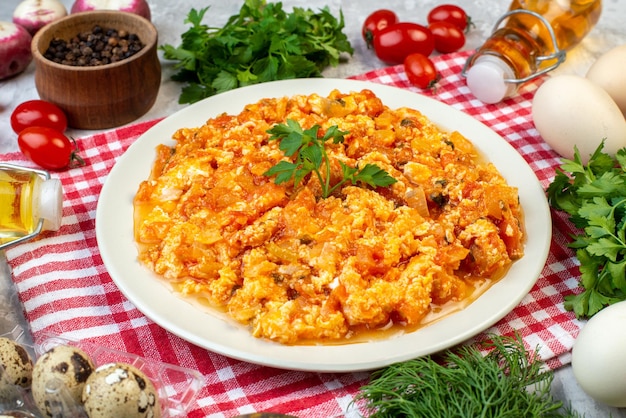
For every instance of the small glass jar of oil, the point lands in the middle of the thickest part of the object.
(531, 39)
(30, 202)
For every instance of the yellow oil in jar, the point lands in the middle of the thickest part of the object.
(533, 40)
(571, 21)
(17, 217)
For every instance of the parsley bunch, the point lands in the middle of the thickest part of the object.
(507, 382)
(594, 195)
(309, 154)
(260, 43)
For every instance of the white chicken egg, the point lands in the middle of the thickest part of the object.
(598, 356)
(608, 73)
(570, 110)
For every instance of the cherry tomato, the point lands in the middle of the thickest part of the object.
(395, 42)
(421, 71)
(448, 38)
(38, 113)
(376, 21)
(451, 14)
(47, 147)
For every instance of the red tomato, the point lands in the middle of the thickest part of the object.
(448, 38)
(395, 42)
(47, 147)
(377, 21)
(38, 113)
(451, 14)
(420, 71)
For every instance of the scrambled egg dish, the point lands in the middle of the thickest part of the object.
(299, 268)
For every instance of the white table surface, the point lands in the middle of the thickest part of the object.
(168, 16)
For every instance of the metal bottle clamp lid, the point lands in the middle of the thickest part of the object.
(558, 54)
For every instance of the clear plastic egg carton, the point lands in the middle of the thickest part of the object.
(177, 387)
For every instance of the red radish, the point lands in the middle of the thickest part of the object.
(35, 14)
(139, 7)
(15, 54)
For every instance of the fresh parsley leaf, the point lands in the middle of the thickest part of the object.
(594, 195)
(374, 176)
(617, 272)
(261, 43)
(310, 157)
(187, 58)
(284, 171)
(609, 183)
(194, 92)
(620, 156)
(224, 81)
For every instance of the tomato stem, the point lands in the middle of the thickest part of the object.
(470, 24)
(75, 159)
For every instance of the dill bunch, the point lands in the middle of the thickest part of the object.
(506, 382)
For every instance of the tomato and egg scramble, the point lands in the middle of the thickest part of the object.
(296, 267)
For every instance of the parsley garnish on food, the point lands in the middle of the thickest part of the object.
(260, 43)
(594, 195)
(309, 156)
(506, 382)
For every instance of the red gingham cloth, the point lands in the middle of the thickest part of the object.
(66, 290)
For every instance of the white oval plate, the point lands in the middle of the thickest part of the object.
(114, 231)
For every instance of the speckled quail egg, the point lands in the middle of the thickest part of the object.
(69, 365)
(120, 390)
(16, 366)
(16, 414)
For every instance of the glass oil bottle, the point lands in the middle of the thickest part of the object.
(531, 39)
(30, 202)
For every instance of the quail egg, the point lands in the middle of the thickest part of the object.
(120, 390)
(16, 366)
(70, 366)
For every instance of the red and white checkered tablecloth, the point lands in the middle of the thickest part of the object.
(66, 290)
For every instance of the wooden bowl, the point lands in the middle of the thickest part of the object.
(101, 96)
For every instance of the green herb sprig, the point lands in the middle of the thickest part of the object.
(308, 153)
(506, 382)
(260, 43)
(594, 195)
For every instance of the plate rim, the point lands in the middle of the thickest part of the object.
(316, 358)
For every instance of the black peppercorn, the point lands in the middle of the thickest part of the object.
(99, 47)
